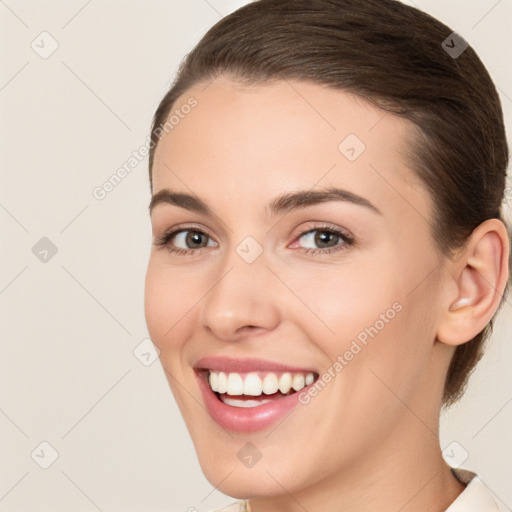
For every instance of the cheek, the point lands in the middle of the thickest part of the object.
(372, 320)
(165, 306)
(348, 300)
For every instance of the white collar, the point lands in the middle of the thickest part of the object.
(475, 497)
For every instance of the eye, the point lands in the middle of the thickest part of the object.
(325, 239)
(189, 239)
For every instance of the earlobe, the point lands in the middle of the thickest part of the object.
(480, 277)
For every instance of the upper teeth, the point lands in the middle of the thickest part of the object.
(252, 384)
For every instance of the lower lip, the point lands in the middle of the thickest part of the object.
(245, 419)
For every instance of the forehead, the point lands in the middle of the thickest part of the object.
(282, 134)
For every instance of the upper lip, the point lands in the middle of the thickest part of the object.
(245, 365)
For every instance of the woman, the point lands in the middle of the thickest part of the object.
(329, 252)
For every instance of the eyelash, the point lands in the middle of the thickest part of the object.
(347, 240)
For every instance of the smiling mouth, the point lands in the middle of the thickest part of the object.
(253, 389)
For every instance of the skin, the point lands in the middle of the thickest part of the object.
(369, 441)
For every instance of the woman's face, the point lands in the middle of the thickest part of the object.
(276, 280)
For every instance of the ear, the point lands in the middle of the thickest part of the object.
(478, 280)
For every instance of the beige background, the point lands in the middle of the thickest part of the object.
(70, 324)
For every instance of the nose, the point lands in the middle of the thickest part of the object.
(239, 302)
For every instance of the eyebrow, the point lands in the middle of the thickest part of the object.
(281, 204)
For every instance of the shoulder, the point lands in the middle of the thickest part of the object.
(239, 506)
(476, 497)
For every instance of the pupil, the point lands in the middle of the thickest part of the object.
(321, 238)
(195, 238)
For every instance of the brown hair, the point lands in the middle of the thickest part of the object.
(392, 55)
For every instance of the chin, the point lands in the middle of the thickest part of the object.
(243, 483)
